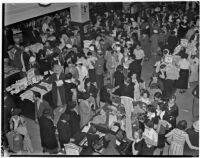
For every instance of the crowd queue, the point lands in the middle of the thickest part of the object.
(111, 64)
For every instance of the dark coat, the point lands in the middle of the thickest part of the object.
(64, 132)
(75, 122)
(61, 89)
(171, 115)
(134, 67)
(47, 133)
(43, 105)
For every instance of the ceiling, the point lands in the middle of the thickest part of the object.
(16, 12)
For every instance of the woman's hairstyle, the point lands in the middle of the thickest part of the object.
(182, 125)
(158, 95)
(140, 132)
(127, 79)
(145, 91)
(119, 68)
(138, 44)
(68, 76)
(162, 106)
(149, 123)
(172, 97)
(151, 108)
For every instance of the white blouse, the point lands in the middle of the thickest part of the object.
(184, 64)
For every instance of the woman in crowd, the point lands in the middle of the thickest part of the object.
(74, 118)
(155, 85)
(177, 138)
(193, 133)
(71, 68)
(145, 44)
(138, 143)
(127, 96)
(70, 88)
(194, 68)
(145, 97)
(151, 138)
(118, 79)
(184, 66)
(85, 109)
(154, 43)
(172, 111)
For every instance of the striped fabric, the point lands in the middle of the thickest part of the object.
(178, 141)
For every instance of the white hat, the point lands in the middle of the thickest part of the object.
(155, 31)
(79, 61)
(196, 125)
(117, 43)
(91, 48)
(129, 42)
(32, 59)
(69, 46)
(132, 19)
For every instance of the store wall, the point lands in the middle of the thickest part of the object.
(22, 11)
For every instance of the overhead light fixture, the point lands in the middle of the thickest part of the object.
(44, 4)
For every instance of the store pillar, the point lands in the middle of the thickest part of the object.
(80, 17)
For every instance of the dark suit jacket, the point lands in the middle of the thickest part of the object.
(61, 89)
(171, 115)
(43, 105)
(47, 133)
(75, 122)
(64, 132)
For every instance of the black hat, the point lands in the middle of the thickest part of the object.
(71, 104)
(47, 112)
(65, 117)
(85, 96)
(16, 111)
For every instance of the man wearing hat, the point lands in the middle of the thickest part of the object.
(64, 129)
(57, 80)
(154, 42)
(74, 117)
(47, 132)
(99, 69)
(172, 42)
(17, 60)
(83, 74)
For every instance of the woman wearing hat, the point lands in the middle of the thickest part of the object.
(154, 43)
(47, 132)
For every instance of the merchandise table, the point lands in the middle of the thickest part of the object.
(27, 106)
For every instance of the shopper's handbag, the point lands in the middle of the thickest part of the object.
(15, 141)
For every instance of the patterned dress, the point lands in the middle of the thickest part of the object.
(178, 141)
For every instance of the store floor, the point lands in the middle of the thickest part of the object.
(184, 102)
